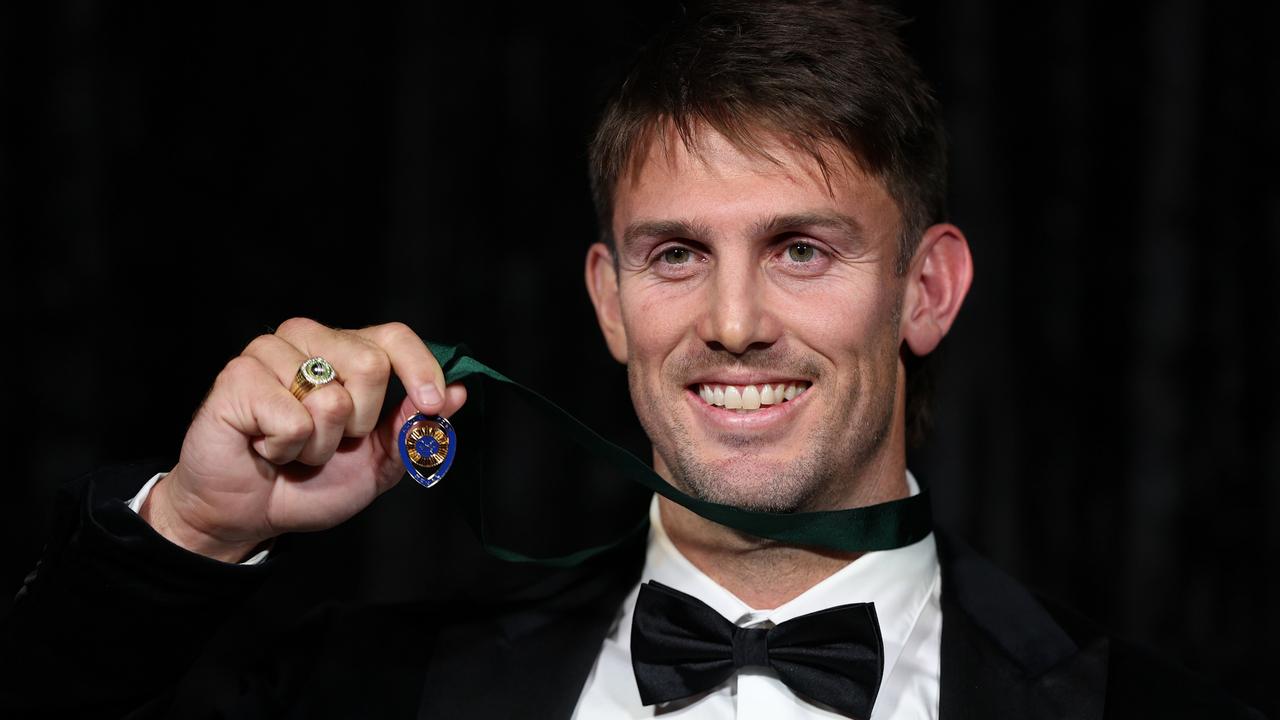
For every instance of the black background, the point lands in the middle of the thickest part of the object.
(178, 178)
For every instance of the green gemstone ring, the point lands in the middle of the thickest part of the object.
(313, 373)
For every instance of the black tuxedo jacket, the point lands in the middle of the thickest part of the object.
(116, 622)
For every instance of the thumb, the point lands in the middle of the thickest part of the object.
(389, 428)
(390, 466)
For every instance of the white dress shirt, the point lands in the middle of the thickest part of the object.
(904, 584)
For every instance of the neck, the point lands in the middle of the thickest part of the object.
(765, 573)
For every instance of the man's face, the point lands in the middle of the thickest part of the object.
(759, 320)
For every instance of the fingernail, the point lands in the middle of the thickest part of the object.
(428, 395)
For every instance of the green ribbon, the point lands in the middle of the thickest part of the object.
(883, 526)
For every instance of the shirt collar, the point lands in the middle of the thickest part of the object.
(898, 581)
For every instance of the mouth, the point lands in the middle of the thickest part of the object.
(749, 398)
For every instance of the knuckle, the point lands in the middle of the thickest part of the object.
(237, 371)
(330, 407)
(259, 344)
(295, 426)
(396, 329)
(370, 362)
(296, 326)
(396, 334)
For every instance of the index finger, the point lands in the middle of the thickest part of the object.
(412, 362)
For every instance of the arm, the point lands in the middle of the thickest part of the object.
(121, 603)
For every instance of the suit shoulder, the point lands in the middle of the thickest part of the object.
(1143, 684)
(1040, 639)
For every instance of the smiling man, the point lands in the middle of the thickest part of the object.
(758, 297)
(761, 319)
(759, 310)
(775, 257)
(770, 188)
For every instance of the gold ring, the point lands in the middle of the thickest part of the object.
(312, 374)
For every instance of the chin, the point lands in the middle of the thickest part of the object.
(751, 483)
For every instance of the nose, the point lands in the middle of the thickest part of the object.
(738, 315)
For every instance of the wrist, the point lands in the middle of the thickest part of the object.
(160, 513)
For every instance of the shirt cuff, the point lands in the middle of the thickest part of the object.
(136, 506)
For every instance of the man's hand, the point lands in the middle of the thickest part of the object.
(257, 463)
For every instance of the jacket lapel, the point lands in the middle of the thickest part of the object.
(531, 656)
(1004, 655)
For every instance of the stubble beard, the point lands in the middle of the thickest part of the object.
(816, 480)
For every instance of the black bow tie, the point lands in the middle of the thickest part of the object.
(681, 647)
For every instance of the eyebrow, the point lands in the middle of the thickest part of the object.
(848, 227)
(663, 228)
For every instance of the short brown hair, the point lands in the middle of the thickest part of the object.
(815, 72)
(819, 73)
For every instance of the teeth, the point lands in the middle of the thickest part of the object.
(749, 397)
(732, 398)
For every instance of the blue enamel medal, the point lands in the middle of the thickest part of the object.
(427, 446)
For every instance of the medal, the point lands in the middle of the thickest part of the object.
(427, 446)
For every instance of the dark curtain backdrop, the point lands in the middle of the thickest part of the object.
(176, 178)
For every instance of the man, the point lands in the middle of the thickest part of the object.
(770, 181)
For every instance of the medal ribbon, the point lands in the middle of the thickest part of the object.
(883, 526)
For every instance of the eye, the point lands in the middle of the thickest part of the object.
(801, 253)
(676, 255)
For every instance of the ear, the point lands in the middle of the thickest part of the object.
(602, 286)
(937, 282)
